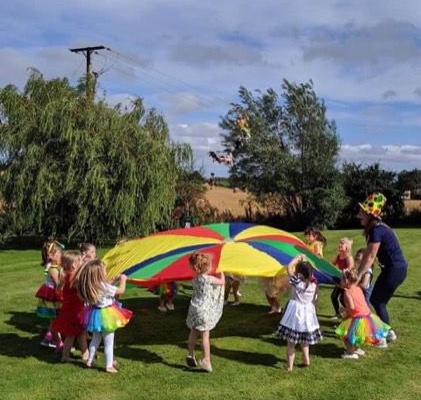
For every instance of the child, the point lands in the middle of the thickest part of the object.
(315, 241)
(344, 261)
(205, 308)
(88, 251)
(273, 287)
(166, 293)
(103, 315)
(49, 297)
(365, 281)
(232, 282)
(299, 323)
(359, 326)
(68, 322)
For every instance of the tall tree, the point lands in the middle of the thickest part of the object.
(81, 168)
(292, 151)
(359, 181)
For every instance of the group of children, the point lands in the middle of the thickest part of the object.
(358, 326)
(76, 298)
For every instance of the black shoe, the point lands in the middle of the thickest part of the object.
(191, 361)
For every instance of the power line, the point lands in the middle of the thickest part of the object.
(87, 52)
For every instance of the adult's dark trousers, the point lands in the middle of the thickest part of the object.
(387, 282)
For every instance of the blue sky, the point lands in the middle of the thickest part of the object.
(187, 59)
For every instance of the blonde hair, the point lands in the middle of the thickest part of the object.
(67, 261)
(348, 243)
(200, 262)
(89, 280)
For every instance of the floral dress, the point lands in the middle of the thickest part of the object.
(206, 304)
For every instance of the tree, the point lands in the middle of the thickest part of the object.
(410, 180)
(359, 182)
(292, 152)
(84, 169)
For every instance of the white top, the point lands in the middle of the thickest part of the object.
(106, 297)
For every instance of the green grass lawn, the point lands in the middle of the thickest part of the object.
(247, 359)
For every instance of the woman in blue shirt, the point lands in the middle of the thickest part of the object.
(383, 244)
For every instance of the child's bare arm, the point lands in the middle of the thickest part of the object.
(293, 262)
(55, 275)
(122, 285)
(218, 279)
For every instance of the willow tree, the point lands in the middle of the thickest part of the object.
(291, 152)
(77, 168)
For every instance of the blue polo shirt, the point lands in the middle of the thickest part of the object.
(390, 253)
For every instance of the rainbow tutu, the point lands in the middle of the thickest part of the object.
(362, 330)
(49, 302)
(48, 309)
(106, 319)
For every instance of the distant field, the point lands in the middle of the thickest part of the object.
(227, 199)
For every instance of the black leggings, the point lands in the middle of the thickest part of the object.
(337, 298)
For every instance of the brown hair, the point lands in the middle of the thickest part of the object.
(317, 234)
(84, 247)
(350, 276)
(50, 246)
(67, 261)
(200, 262)
(89, 279)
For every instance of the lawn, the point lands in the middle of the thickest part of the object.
(247, 359)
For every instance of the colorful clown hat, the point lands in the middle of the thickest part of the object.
(373, 204)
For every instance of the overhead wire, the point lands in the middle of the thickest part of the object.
(165, 82)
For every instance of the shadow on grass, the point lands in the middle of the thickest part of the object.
(149, 326)
(246, 357)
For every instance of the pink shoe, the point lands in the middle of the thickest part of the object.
(59, 347)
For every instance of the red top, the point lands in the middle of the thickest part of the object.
(68, 321)
(341, 263)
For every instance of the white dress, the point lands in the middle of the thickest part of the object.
(299, 323)
(206, 304)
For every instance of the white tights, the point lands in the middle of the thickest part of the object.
(108, 347)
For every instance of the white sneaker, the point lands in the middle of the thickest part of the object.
(391, 336)
(162, 308)
(382, 344)
(353, 356)
(236, 303)
(359, 352)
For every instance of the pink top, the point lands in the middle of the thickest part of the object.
(361, 307)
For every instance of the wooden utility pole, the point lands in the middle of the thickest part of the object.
(87, 51)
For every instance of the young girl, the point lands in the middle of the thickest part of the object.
(88, 251)
(103, 315)
(68, 322)
(315, 241)
(299, 323)
(273, 287)
(49, 298)
(166, 293)
(365, 281)
(344, 261)
(232, 283)
(359, 326)
(205, 308)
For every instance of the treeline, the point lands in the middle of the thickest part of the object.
(82, 169)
